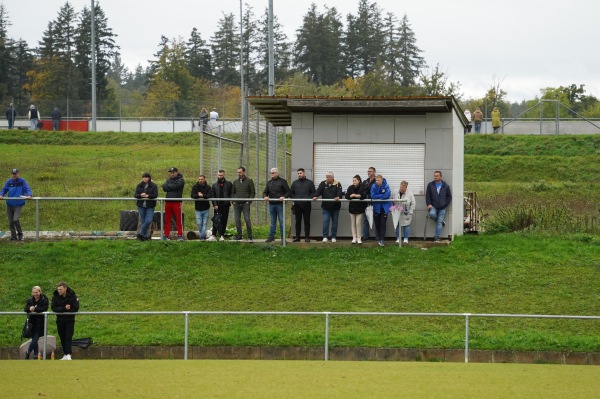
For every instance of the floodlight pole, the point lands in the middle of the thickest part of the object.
(93, 68)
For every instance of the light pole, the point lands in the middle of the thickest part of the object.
(93, 68)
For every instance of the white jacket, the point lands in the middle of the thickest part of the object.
(410, 204)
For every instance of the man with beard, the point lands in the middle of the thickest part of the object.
(65, 300)
(173, 186)
(221, 189)
(302, 188)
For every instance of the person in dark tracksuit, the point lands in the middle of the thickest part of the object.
(65, 300)
(303, 188)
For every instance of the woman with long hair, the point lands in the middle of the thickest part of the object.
(37, 303)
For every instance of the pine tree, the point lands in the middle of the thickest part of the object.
(410, 61)
(226, 52)
(282, 56)
(5, 56)
(364, 39)
(249, 48)
(198, 56)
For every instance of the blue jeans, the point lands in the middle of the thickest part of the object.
(437, 215)
(33, 124)
(202, 221)
(327, 217)
(276, 211)
(405, 231)
(55, 124)
(477, 126)
(146, 215)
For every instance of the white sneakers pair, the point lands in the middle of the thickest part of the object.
(405, 241)
(66, 357)
(326, 240)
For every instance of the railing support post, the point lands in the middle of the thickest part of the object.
(162, 219)
(283, 225)
(185, 348)
(45, 334)
(326, 336)
(37, 219)
(467, 337)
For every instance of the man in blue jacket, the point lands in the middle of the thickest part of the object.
(380, 191)
(438, 196)
(15, 187)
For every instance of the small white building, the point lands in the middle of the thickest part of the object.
(404, 138)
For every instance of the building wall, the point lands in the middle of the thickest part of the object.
(442, 134)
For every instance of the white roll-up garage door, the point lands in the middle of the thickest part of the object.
(395, 162)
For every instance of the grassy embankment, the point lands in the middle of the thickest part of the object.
(504, 273)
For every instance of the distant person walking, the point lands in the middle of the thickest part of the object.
(34, 117)
(145, 192)
(496, 120)
(203, 117)
(11, 115)
(477, 119)
(65, 300)
(15, 187)
(56, 116)
(173, 187)
(37, 303)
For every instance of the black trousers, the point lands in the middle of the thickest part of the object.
(66, 328)
(302, 212)
(380, 225)
(224, 212)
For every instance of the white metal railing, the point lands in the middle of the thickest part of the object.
(186, 314)
(162, 200)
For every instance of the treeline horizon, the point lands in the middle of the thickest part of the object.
(372, 53)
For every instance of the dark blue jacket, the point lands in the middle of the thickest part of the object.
(16, 188)
(441, 200)
(151, 190)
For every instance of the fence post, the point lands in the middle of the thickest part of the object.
(283, 224)
(162, 219)
(45, 334)
(37, 219)
(467, 337)
(327, 336)
(185, 348)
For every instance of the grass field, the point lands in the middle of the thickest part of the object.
(294, 379)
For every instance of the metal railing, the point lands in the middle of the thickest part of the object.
(163, 200)
(327, 315)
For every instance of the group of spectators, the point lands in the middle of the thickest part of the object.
(223, 194)
(34, 117)
(64, 301)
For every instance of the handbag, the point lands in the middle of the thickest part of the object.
(27, 329)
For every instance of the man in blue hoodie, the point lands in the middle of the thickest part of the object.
(380, 191)
(15, 187)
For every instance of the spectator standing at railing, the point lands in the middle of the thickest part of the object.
(221, 189)
(203, 117)
(477, 119)
(37, 303)
(276, 190)
(367, 184)
(356, 208)
(15, 187)
(56, 116)
(173, 188)
(496, 120)
(242, 187)
(65, 300)
(201, 190)
(214, 115)
(409, 208)
(34, 117)
(303, 188)
(329, 189)
(11, 115)
(380, 191)
(146, 191)
(438, 196)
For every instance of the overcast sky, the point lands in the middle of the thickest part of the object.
(526, 44)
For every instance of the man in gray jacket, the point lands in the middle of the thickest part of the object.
(243, 187)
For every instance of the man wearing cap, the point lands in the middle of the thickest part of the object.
(34, 117)
(15, 187)
(11, 115)
(173, 186)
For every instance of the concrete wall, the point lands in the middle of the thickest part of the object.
(442, 134)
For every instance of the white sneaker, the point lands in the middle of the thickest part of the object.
(324, 239)
(211, 238)
(66, 357)
(397, 241)
(354, 241)
(359, 241)
(69, 357)
(333, 240)
(222, 238)
(405, 241)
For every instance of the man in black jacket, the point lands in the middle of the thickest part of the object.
(329, 189)
(275, 192)
(221, 189)
(438, 197)
(11, 115)
(173, 186)
(201, 190)
(65, 300)
(302, 188)
(146, 191)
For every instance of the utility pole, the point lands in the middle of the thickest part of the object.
(93, 68)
